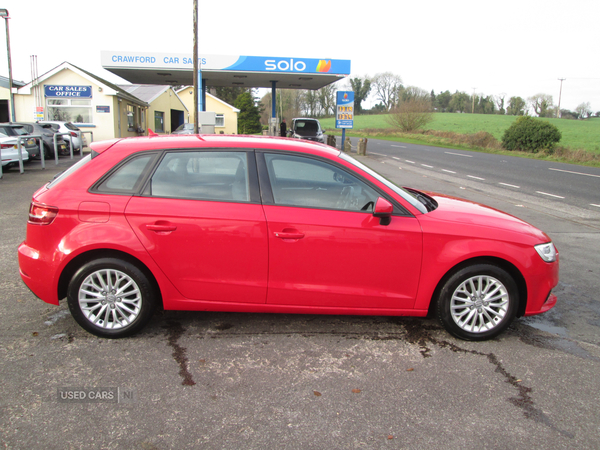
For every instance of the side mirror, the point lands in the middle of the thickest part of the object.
(383, 210)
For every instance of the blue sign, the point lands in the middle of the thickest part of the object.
(55, 91)
(295, 65)
(227, 62)
(102, 109)
(344, 114)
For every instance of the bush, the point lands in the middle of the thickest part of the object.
(530, 135)
(411, 115)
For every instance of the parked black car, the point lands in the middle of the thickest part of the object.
(47, 133)
(15, 130)
(310, 129)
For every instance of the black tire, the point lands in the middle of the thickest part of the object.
(48, 153)
(478, 302)
(111, 298)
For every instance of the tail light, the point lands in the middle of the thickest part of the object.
(8, 146)
(73, 134)
(40, 214)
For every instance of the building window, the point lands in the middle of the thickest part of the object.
(159, 121)
(130, 118)
(69, 110)
(219, 120)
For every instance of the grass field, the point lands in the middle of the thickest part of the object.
(576, 134)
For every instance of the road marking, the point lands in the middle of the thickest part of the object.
(395, 157)
(425, 165)
(476, 178)
(412, 162)
(549, 195)
(458, 154)
(446, 170)
(597, 206)
(576, 173)
(398, 146)
(510, 185)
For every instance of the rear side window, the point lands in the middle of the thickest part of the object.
(127, 177)
(219, 176)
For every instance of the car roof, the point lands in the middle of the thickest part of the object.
(212, 141)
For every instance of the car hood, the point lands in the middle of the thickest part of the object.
(456, 210)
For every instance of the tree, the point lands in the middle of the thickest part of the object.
(327, 98)
(443, 101)
(516, 106)
(361, 88)
(249, 115)
(229, 94)
(460, 102)
(541, 104)
(412, 114)
(500, 103)
(584, 110)
(387, 88)
(416, 93)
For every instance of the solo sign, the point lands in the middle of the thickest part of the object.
(54, 91)
(344, 113)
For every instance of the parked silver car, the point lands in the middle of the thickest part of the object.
(75, 135)
(9, 151)
(12, 130)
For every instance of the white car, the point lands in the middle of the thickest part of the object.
(75, 135)
(9, 152)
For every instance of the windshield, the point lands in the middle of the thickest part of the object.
(406, 195)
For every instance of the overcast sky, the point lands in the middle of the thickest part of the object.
(512, 47)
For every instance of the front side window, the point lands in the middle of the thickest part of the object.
(308, 182)
(219, 176)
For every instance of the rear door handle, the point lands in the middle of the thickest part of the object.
(289, 234)
(161, 227)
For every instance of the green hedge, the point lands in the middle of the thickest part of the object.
(530, 135)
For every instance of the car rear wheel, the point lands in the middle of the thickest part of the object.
(48, 153)
(111, 298)
(478, 302)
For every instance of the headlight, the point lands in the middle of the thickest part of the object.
(547, 251)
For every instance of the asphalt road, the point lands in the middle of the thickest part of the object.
(564, 183)
(257, 381)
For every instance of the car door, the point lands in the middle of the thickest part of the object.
(201, 220)
(326, 248)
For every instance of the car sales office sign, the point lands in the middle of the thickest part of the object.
(344, 116)
(56, 91)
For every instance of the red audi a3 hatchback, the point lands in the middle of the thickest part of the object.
(254, 224)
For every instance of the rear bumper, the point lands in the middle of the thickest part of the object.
(34, 273)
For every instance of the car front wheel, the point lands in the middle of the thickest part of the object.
(111, 298)
(478, 302)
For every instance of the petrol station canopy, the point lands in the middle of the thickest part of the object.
(226, 71)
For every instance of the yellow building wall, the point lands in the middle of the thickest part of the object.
(167, 101)
(212, 104)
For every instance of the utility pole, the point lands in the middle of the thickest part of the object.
(558, 114)
(196, 81)
(4, 14)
